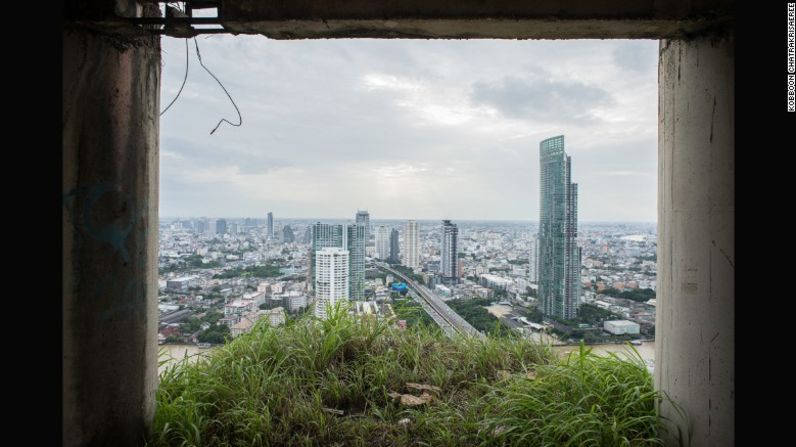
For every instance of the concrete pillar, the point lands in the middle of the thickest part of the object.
(110, 197)
(695, 328)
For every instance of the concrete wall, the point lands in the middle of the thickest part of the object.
(111, 91)
(503, 19)
(694, 355)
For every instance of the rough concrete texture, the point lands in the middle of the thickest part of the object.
(111, 91)
(473, 28)
(695, 326)
(506, 19)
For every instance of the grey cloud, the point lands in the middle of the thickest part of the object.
(539, 97)
(635, 55)
(306, 108)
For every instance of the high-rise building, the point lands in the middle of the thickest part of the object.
(411, 246)
(308, 235)
(323, 236)
(355, 240)
(199, 226)
(269, 226)
(331, 279)
(287, 234)
(559, 255)
(382, 242)
(221, 226)
(349, 237)
(449, 252)
(363, 218)
(210, 227)
(395, 255)
(233, 228)
(533, 259)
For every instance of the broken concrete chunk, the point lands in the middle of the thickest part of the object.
(503, 374)
(418, 386)
(412, 401)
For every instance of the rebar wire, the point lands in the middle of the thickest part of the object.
(183, 80)
(240, 118)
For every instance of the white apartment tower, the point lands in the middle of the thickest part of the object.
(382, 242)
(411, 248)
(331, 278)
(533, 259)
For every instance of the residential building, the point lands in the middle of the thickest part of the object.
(533, 259)
(287, 234)
(323, 236)
(331, 278)
(411, 245)
(221, 226)
(382, 242)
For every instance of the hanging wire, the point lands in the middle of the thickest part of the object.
(240, 118)
(183, 80)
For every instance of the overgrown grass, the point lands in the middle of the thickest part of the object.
(287, 385)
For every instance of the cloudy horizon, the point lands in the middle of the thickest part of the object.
(408, 129)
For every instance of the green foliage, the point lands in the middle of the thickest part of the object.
(373, 274)
(216, 334)
(257, 271)
(582, 400)
(190, 326)
(591, 314)
(275, 386)
(521, 261)
(188, 263)
(480, 318)
(173, 339)
(411, 311)
(409, 273)
(212, 317)
(639, 295)
(532, 314)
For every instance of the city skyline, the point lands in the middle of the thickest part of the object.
(375, 124)
(398, 220)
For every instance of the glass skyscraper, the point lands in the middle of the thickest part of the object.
(355, 241)
(559, 256)
(363, 218)
(449, 253)
(395, 256)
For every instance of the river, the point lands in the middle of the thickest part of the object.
(646, 350)
(173, 353)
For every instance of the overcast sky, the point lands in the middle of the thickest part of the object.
(424, 129)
